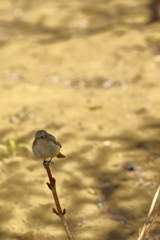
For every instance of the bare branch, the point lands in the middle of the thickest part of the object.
(59, 212)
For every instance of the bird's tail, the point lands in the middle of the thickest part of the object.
(60, 155)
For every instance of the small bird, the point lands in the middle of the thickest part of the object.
(46, 145)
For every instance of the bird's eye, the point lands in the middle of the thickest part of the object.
(42, 137)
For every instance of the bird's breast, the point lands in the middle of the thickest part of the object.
(45, 149)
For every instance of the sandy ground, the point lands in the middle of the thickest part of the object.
(88, 72)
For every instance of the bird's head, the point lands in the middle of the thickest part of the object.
(41, 134)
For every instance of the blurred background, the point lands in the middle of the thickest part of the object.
(87, 72)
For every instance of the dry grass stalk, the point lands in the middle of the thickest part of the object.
(145, 232)
(59, 212)
(151, 224)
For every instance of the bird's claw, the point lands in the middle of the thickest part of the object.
(50, 161)
(47, 163)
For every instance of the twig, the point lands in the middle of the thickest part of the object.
(59, 212)
(144, 232)
(151, 224)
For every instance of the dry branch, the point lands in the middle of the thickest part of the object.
(58, 211)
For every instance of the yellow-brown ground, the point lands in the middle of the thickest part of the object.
(88, 72)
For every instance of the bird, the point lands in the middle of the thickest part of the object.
(46, 145)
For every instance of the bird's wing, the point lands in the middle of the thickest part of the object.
(53, 139)
(57, 143)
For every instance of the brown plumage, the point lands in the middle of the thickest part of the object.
(46, 145)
